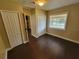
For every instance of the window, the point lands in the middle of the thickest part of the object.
(58, 21)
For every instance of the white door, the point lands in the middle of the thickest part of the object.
(12, 26)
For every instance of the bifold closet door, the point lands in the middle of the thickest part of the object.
(12, 26)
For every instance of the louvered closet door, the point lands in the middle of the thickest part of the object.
(12, 26)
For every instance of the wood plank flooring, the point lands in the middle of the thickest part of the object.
(45, 47)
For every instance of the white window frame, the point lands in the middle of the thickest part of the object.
(59, 15)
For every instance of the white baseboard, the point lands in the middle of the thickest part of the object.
(6, 55)
(26, 41)
(64, 38)
(34, 36)
(41, 34)
(6, 52)
(37, 36)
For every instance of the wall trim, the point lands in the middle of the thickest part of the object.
(37, 36)
(68, 39)
(34, 36)
(6, 52)
(6, 55)
(26, 41)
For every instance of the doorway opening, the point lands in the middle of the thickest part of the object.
(28, 24)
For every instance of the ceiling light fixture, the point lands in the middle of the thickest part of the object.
(40, 2)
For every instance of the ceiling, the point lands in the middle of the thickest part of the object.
(52, 4)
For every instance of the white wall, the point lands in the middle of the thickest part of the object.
(41, 23)
(38, 22)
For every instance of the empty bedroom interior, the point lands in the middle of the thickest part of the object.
(39, 29)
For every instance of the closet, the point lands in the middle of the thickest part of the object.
(12, 27)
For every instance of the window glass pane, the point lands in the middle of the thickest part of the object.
(58, 21)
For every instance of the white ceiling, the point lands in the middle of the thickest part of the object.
(52, 4)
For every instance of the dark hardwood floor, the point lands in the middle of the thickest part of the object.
(45, 47)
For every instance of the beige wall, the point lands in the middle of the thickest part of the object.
(11, 5)
(2, 56)
(6, 5)
(2, 47)
(72, 30)
(3, 33)
(3, 39)
(33, 22)
(27, 11)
